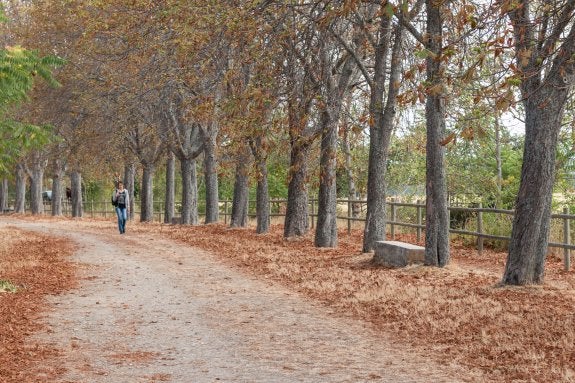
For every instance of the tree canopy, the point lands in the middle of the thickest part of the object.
(400, 97)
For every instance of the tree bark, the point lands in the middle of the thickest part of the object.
(36, 184)
(169, 207)
(56, 203)
(437, 216)
(262, 191)
(4, 195)
(240, 202)
(532, 220)
(296, 219)
(326, 229)
(129, 184)
(189, 192)
(147, 196)
(20, 203)
(380, 129)
(57, 189)
(301, 92)
(76, 187)
(211, 178)
(548, 76)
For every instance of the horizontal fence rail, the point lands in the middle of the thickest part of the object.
(464, 221)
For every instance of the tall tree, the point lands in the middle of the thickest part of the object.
(37, 163)
(187, 144)
(336, 76)
(3, 195)
(76, 189)
(240, 202)
(544, 43)
(169, 203)
(437, 216)
(58, 172)
(387, 48)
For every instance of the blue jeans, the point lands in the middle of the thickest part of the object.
(122, 214)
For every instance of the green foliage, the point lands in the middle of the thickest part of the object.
(359, 153)
(94, 191)
(494, 224)
(277, 176)
(18, 69)
(17, 138)
(7, 286)
(511, 161)
(471, 167)
(406, 165)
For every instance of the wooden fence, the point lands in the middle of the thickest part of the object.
(466, 221)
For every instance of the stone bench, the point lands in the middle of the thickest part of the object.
(397, 254)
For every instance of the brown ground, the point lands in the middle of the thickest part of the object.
(38, 266)
(457, 316)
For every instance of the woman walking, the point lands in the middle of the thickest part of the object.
(121, 199)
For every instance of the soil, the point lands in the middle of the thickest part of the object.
(212, 303)
(147, 308)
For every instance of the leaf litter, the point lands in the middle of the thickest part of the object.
(458, 315)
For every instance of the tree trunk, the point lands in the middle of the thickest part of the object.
(36, 184)
(262, 192)
(532, 220)
(437, 216)
(296, 219)
(56, 203)
(147, 196)
(20, 203)
(59, 172)
(129, 185)
(4, 195)
(381, 127)
(545, 60)
(76, 187)
(189, 192)
(211, 179)
(169, 207)
(194, 183)
(57, 190)
(326, 229)
(240, 202)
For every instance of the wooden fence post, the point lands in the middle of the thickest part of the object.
(566, 240)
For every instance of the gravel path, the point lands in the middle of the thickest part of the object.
(151, 310)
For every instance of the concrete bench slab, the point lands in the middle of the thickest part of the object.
(397, 254)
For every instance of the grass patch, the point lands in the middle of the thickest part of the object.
(7, 287)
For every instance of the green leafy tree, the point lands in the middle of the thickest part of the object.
(18, 70)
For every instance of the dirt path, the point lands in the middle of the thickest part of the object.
(151, 310)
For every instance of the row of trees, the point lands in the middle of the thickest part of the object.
(231, 83)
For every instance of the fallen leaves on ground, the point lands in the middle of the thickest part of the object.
(458, 315)
(37, 265)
